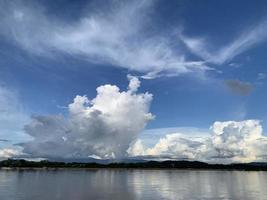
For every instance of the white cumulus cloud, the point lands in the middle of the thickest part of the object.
(239, 141)
(104, 126)
(229, 141)
(9, 153)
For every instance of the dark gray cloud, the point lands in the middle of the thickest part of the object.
(239, 87)
(4, 140)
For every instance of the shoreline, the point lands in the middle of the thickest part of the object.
(121, 168)
(149, 165)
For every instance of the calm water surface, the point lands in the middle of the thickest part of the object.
(132, 184)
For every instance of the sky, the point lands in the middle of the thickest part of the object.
(147, 79)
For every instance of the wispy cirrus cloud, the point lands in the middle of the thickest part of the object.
(117, 36)
(261, 76)
(12, 120)
(12, 116)
(247, 39)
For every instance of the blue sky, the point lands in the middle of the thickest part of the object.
(203, 61)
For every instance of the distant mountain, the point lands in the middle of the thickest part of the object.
(12, 163)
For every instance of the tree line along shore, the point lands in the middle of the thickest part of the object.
(21, 163)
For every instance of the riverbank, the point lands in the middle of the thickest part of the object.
(12, 164)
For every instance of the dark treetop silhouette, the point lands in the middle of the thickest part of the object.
(12, 163)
